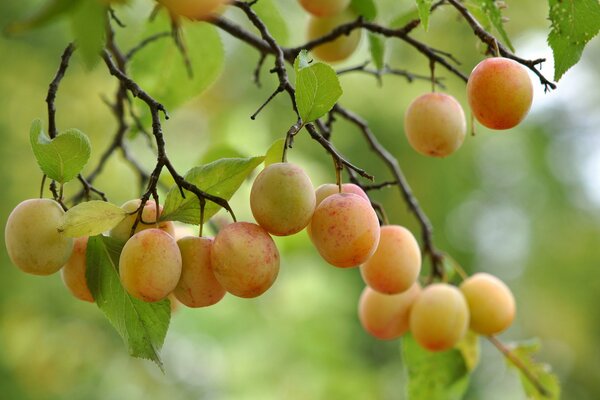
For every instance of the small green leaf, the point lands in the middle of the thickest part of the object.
(160, 67)
(470, 349)
(524, 351)
(221, 178)
(574, 24)
(366, 8)
(91, 218)
(492, 12)
(269, 13)
(143, 326)
(88, 23)
(302, 61)
(377, 47)
(424, 8)
(63, 157)
(434, 375)
(317, 89)
(50, 12)
(275, 152)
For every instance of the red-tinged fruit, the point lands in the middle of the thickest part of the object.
(245, 259)
(73, 273)
(345, 230)
(195, 9)
(386, 316)
(324, 8)
(500, 93)
(395, 265)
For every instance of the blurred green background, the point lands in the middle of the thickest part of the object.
(523, 205)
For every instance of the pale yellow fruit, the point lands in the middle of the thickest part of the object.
(150, 265)
(122, 231)
(491, 303)
(73, 273)
(32, 239)
(197, 286)
(324, 8)
(245, 259)
(395, 265)
(195, 9)
(282, 199)
(340, 48)
(386, 316)
(439, 318)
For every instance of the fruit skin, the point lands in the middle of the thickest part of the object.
(342, 47)
(491, 303)
(439, 317)
(395, 265)
(386, 316)
(150, 265)
(123, 229)
(245, 259)
(195, 9)
(435, 124)
(32, 239)
(73, 273)
(282, 199)
(324, 8)
(197, 286)
(500, 93)
(345, 230)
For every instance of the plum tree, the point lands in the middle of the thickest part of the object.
(491, 303)
(282, 199)
(197, 286)
(500, 93)
(439, 317)
(435, 124)
(32, 239)
(345, 230)
(338, 49)
(324, 8)
(150, 265)
(73, 273)
(395, 265)
(245, 259)
(386, 316)
(123, 230)
(194, 9)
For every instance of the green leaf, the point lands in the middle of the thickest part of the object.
(317, 89)
(524, 351)
(275, 152)
(143, 326)
(221, 178)
(424, 8)
(50, 12)
(377, 48)
(88, 23)
(91, 218)
(63, 157)
(492, 12)
(573, 25)
(366, 8)
(160, 68)
(269, 13)
(434, 375)
(470, 349)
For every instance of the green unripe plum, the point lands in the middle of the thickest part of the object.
(491, 303)
(439, 317)
(245, 259)
(386, 316)
(73, 273)
(122, 231)
(195, 9)
(395, 265)
(500, 93)
(345, 230)
(324, 8)
(32, 239)
(282, 199)
(435, 124)
(150, 265)
(340, 48)
(197, 286)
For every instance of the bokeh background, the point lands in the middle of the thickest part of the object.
(522, 204)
